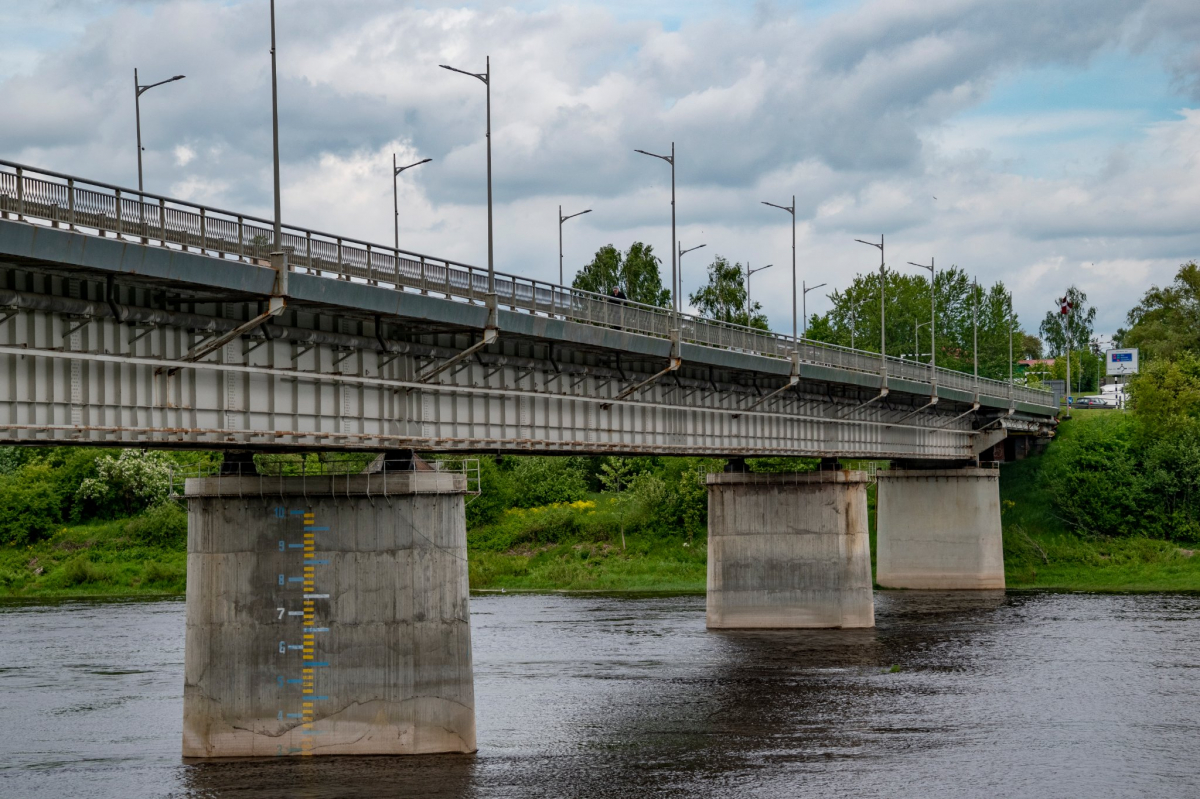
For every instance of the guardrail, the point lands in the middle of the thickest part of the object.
(81, 204)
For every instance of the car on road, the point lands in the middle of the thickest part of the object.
(1094, 402)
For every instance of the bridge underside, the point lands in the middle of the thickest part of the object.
(98, 347)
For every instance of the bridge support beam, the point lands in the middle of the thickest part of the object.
(789, 551)
(939, 529)
(327, 616)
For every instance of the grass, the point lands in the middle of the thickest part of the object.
(97, 559)
(1042, 552)
(579, 547)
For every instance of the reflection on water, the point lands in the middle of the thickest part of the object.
(1018, 695)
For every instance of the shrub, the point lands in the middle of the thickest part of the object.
(164, 525)
(539, 480)
(30, 508)
(157, 572)
(80, 570)
(127, 484)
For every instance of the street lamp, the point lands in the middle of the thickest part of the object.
(791, 209)
(486, 77)
(396, 170)
(882, 326)
(750, 273)
(805, 290)
(853, 320)
(275, 133)
(138, 91)
(562, 219)
(670, 159)
(683, 252)
(932, 320)
(917, 341)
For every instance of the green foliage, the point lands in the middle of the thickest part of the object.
(544, 480)
(854, 320)
(162, 525)
(495, 497)
(636, 273)
(1166, 323)
(1166, 396)
(1073, 330)
(127, 484)
(1106, 476)
(782, 465)
(30, 508)
(723, 297)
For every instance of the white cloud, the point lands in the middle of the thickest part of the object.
(859, 113)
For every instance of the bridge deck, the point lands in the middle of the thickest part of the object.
(84, 266)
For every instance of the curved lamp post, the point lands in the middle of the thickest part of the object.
(683, 252)
(670, 159)
(396, 170)
(791, 209)
(882, 317)
(486, 78)
(932, 320)
(749, 274)
(805, 289)
(138, 91)
(562, 219)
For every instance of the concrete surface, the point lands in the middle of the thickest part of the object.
(789, 551)
(324, 617)
(939, 529)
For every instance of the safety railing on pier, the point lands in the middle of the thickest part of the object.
(266, 472)
(64, 200)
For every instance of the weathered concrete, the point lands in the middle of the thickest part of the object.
(939, 529)
(788, 551)
(327, 617)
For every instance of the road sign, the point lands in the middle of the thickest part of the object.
(1121, 362)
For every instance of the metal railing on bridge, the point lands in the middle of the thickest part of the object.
(79, 204)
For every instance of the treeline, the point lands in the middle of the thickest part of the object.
(1139, 473)
(41, 490)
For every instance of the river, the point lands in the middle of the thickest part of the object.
(1018, 695)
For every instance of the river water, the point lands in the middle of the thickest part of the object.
(1024, 695)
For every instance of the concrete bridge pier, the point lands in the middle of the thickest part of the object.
(327, 615)
(789, 551)
(939, 529)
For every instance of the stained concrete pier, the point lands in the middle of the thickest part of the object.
(789, 551)
(939, 529)
(327, 616)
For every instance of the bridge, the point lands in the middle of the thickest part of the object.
(133, 319)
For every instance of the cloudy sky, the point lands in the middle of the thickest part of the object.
(1042, 142)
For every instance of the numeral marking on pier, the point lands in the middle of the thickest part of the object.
(298, 590)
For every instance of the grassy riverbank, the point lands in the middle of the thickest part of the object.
(616, 542)
(100, 559)
(1042, 551)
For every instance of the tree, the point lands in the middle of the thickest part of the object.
(854, 320)
(1073, 330)
(1031, 347)
(1166, 323)
(724, 296)
(636, 272)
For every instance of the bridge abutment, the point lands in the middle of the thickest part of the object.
(939, 529)
(327, 615)
(789, 551)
